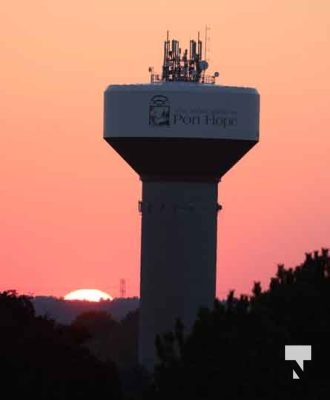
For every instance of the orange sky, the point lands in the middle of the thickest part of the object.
(68, 209)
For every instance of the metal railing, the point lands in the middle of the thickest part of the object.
(207, 79)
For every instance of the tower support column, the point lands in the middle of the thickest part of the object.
(178, 256)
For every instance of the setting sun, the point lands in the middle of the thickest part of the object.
(88, 294)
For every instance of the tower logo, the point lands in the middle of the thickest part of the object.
(159, 111)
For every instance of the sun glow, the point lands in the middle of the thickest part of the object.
(88, 294)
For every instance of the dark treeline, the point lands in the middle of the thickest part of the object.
(42, 360)
(108, 339)
(234, 351)
(65, 312)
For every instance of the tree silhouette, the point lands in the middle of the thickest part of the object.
(42, 360)
(236, 350)
(108, 339)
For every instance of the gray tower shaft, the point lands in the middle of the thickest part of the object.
(178, 256)
(181, 138)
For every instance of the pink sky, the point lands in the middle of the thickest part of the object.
(68, 209)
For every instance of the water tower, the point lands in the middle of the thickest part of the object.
(181, 133)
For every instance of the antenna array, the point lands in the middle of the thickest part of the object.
(179, 66)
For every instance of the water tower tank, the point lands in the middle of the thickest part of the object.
(181, 133)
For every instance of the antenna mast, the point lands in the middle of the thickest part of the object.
(178, 66)
(207, 38)
(122, 288)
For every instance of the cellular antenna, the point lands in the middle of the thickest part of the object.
(178, 66)
(206, 40)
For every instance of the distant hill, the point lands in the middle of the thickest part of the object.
(64, 311)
